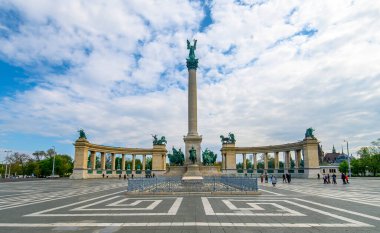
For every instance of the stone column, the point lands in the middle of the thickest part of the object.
(103, 160)
(113, 159)
(276, 160)
(93, 160)
(133, 162)
(287, 160)
(80, 159)
(143, 162)
(311, 160)
(266, 161)
(192, 139)
(244, 162)
(123, 162)
(297, 159)
(255, 161)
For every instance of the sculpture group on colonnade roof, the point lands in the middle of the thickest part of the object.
(157, 141)
(82, 134)
(309, 133)
(228, 140)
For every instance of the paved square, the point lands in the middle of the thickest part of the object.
(102, 206)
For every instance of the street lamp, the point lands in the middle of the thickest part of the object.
(8, 151)
(53, 161)
(348, 159)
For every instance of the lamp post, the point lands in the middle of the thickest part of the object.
(53, 161)
(348, 159)
(9, 171)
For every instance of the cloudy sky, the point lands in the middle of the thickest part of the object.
(267, 71)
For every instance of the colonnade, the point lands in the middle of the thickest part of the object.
(85, 167)
(307, 148)
(92, 164)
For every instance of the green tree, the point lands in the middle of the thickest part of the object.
(148, 163)
(343, 167)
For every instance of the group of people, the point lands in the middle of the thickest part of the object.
(326, 178)
(286, 178)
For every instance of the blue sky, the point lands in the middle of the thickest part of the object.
(267, 71)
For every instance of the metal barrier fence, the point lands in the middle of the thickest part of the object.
(208, 184)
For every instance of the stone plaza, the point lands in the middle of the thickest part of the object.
(102, 205)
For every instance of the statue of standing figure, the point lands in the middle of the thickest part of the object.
(192, 48)
(193, 155)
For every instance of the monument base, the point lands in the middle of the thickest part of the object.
(193, 170)
(79, 174)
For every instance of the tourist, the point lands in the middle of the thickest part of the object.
(328, 178)
(343, 178)
(274, 180)
(125, 177)
(103, 175)
(132, 176)
(319, 176)
(346, 176)
(262, 178)
(283, 178)
(119, 176)
(266, 178)
(334, 178)
(288, 177)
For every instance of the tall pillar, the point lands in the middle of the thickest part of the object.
(80, 160)
(311, 160)
(103, 160)
(276, 160)
(192, 139)
(93, 160)
(297, 159)
(255, 161)
(143, 162)
(287, 160)
(133, 162)
(113, 161)
(266, 161)
(123, 162)
(244, 162)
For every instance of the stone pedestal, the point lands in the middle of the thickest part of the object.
(192, 141)
(193, 170)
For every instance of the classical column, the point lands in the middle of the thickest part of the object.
(244, 162)
(93, 160)
(123, 162)
(266, 161)
(192, 139)
(103, 160)
(143, 162)
(287, 160)
(164, 161)
(276, 160)
(297, 159)
(113, 158)
(255, 161)
(133, 162)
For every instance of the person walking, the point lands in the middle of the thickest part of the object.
(266, 178)
(334, 178)
(346, 176)
(343, 178)
(274, 181)
(283, 178)
(262, 178)
(319, 176)
(328, 178)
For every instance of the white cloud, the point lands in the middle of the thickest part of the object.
(259, 76)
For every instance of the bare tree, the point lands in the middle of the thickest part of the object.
(18, 159)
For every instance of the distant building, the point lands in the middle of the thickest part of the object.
(334, 157)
